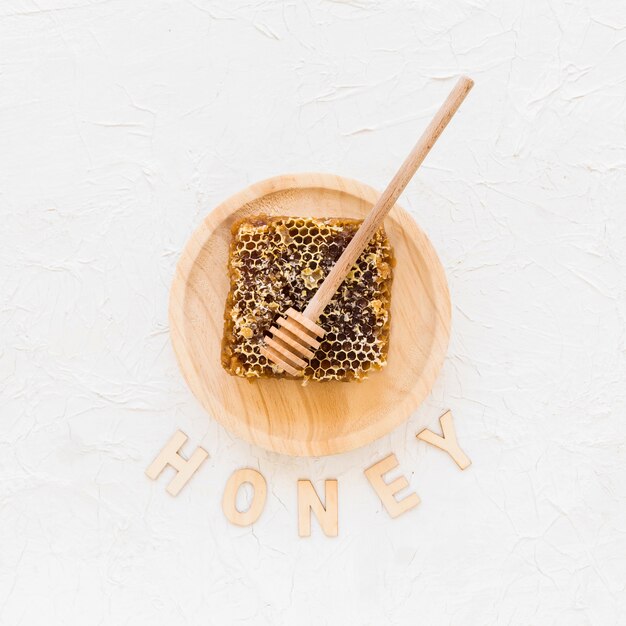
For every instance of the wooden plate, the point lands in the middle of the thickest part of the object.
(321, 418)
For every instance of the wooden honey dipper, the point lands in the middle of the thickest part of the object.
(297, 333)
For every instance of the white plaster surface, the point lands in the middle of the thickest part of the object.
(123, 123)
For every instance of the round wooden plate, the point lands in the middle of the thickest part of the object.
(320, 418)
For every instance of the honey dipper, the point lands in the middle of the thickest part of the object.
(296, 334)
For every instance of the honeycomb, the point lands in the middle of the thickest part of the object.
(279, 262)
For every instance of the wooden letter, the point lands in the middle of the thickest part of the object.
(448, 442)
(170, 456)
(386, 491)
(229, 501)
(327, 514)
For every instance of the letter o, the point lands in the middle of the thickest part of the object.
(229, 501)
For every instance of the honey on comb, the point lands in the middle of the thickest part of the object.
(279, 262)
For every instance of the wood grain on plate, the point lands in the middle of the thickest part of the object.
(320, 418)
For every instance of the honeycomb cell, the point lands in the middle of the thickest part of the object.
(279, 262)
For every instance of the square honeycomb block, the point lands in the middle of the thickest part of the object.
(279, 262)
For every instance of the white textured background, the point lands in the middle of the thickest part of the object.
(123, 123)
